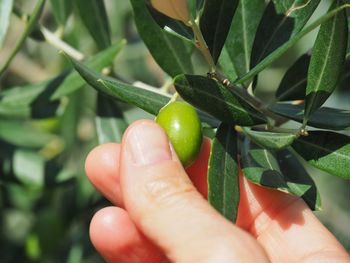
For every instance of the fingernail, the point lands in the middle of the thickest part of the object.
(148, 144)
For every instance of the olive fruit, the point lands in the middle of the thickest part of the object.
(183, 127)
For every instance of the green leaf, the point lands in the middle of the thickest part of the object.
(293, 84)
(150, 101)
(295, 173)
(94, 17)
(327, 151)
(215, 23)
(275, 170)
(281, 21)
(23, 134)
(287, 45)
(61, 9)
(240, 39)
(5, 14)
(327, 60)
(29, 167)
(270, 140)
(173, 54)
(223, 179)
(101, 60)
(324, 118)
(110, 123)
(210, 96)
(29, 28)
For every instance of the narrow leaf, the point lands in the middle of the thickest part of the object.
(29, 28)
(275, 170)
(147, 100)
(280, 22)
(293, 84)
(223, 179)
(61, 10)
(5, 13)
(296, 175)
(287, 45)
(97, 62)
(324, 118)
(210, 96)
(215, 23)
(94, 17)
(110, 123)
(327, 60)
(240, 39)
(270, 140)
(327, 151)
(173, 54)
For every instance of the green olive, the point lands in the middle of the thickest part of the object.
(183, 127)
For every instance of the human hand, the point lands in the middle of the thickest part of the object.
(161, 217)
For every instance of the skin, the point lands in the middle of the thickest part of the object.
(162, 217)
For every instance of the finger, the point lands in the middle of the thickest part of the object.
(286, 227)
(198, 170)
(165, 205)
(118, 240)
(102, 169)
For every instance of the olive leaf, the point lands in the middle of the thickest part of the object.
(61, 10)
(173, 54)
(276, 170)
(239, 42)
(327, 59)
(223, 175)
(94, 17)
(210, 96)
(324, 117)
(215, 23)
(293, 84)
(270, 140)
(327, 151)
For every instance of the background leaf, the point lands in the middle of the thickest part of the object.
(209, 96)
(223, 174)
(95, 19)
(327, 151)
(215, 23)
(327, 59)
(61, 10)
(324, 118)
(293, 84)
(110, 122)
(239, 42)
(275, 170)
(5, 13)
(172, 53)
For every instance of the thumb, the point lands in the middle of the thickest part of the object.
(166, 206)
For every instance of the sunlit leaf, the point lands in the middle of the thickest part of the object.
(327, 59)
(223, 175)
(5, 13)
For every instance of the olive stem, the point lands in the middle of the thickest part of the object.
(202, 45)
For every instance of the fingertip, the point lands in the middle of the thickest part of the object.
(117, 239)
(102, 169)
